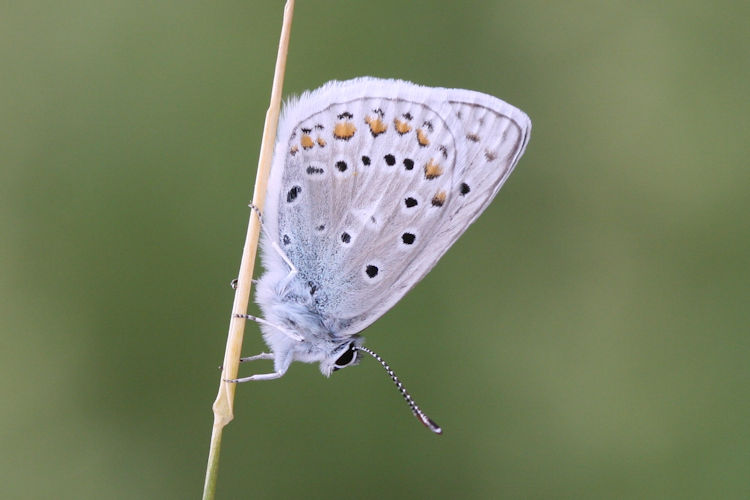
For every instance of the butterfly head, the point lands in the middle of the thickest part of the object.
(344, 355)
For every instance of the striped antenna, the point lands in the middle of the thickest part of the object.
(427, 421)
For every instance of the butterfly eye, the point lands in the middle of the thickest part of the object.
(345, 359)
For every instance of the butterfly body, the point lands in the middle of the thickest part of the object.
(288, 303)
(372, 181)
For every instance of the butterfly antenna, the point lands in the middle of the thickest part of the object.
(427, 421)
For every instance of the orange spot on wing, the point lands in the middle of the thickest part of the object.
(439, 199)
(377, 126)
(293, 150)
(401, 127)
(306, 141)
(432, 170)
(344, 130)
(422, 138)
(321, 142)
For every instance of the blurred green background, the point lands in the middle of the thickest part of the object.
(586, 338)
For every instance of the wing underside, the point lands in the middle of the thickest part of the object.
(373, 181)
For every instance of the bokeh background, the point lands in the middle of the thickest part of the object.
(586, 338)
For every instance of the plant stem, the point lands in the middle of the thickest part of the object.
(223, 407)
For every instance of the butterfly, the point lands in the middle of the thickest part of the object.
(372, 181)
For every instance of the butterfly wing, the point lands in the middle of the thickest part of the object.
(492, 136)
(373, 180)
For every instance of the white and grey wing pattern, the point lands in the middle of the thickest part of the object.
(373, 180)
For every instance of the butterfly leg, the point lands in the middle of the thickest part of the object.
(283, 330)
(285, 258)
(263, 355)
(281, 366)
(234, 282)
(259, 376)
